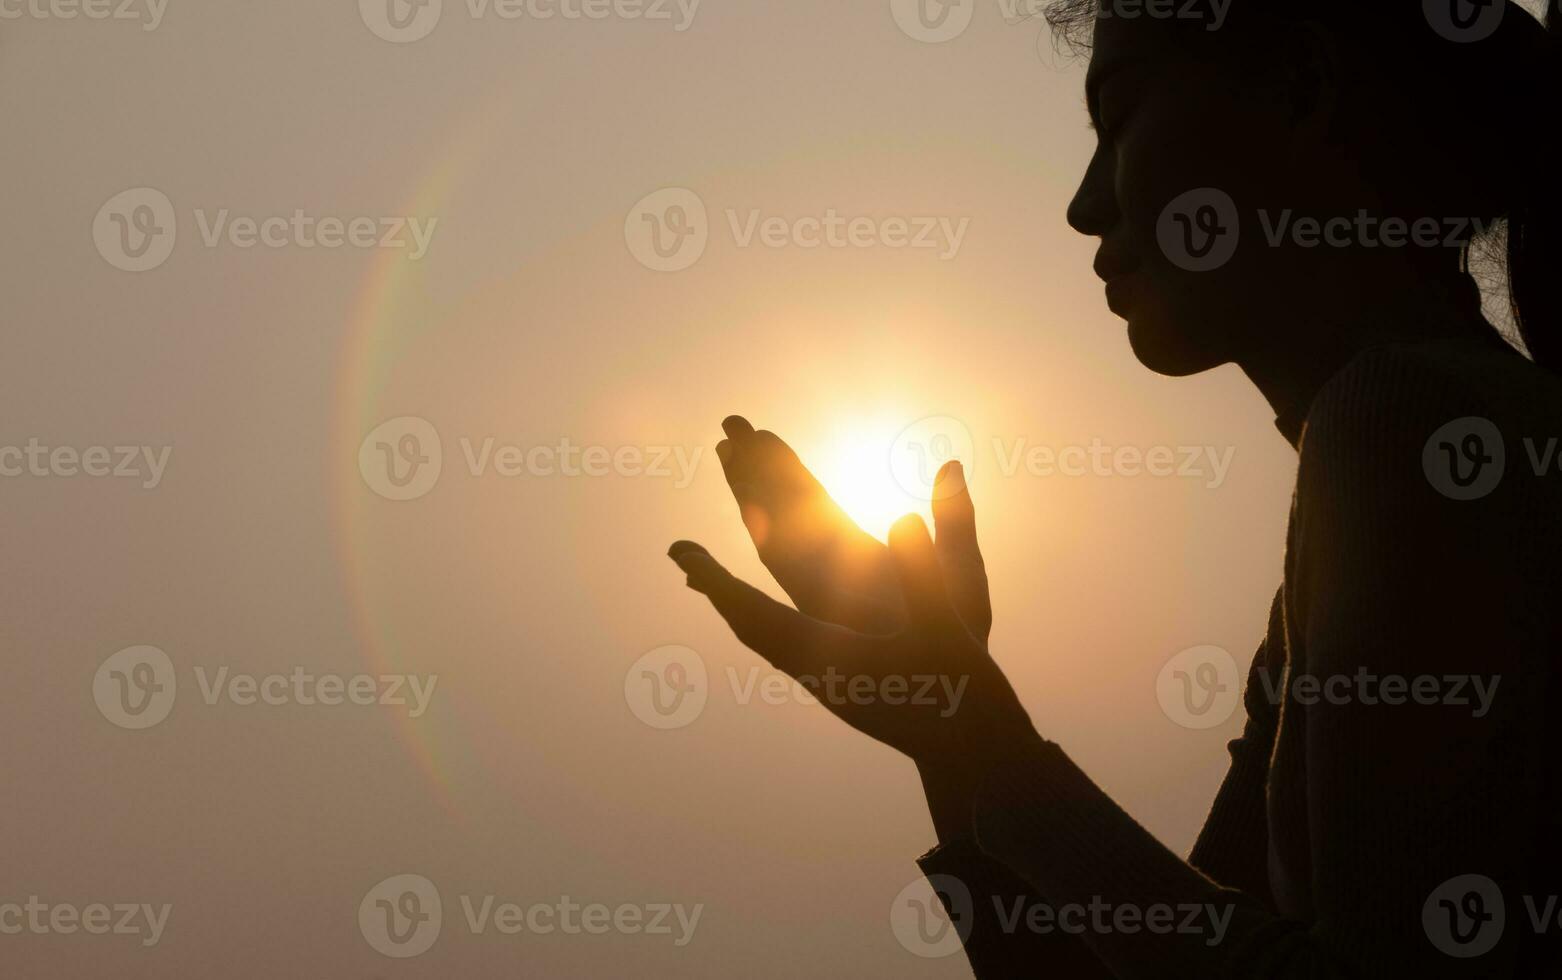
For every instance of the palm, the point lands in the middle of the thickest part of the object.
(891, 639)
(832, 569)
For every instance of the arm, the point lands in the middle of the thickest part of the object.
(997, 944)
(1232, 847)
(837, 574)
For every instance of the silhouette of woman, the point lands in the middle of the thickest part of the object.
(1293, 188)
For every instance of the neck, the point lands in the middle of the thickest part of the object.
(1314, 342)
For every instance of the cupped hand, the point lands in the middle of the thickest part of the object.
(833, 570)
(930, 689)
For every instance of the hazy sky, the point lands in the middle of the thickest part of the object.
(249, 540)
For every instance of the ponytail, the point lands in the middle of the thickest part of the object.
(1535, 219)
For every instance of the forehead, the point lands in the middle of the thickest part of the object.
(1119, 44)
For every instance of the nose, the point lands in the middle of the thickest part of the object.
(1093, 211)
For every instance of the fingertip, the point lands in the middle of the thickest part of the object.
(736, 426)
(703, 571)
(950, 479)
(908, 530)
(682, 548)
(724, 451)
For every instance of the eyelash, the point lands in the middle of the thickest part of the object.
(1108, 132)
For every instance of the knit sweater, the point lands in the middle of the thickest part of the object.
(1392, 804)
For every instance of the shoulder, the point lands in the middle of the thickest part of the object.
(1428, 512)
(1416, 455)
(1397, 415)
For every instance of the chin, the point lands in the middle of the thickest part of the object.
(1166, 346)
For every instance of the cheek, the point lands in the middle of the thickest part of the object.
(1186, 140)
(1192, 320)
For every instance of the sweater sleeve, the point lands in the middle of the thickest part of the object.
(1233, 846)
(1008, 931)
(1420, 814)
(991, 907)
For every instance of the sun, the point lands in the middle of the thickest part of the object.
(853, 462)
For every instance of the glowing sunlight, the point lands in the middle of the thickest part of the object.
(854, 463)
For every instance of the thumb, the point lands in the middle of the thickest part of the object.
(792, 642)
(954, 518)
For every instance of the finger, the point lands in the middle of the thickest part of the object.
(760, 459)
(954, 516)
(790, 641)
(755, 517)
(928, 605)
(829, 567)
(954, 520)
(727, 453)
(803, 536)
(778, 465)
(732, 451)
(773, 488)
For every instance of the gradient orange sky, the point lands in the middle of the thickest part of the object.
(530, 321)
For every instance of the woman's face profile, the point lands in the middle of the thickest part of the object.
(1183, 142)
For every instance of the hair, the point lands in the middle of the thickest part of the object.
(1463, 133)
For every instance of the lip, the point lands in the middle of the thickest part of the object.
(1110, 267)
(1118, 293)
